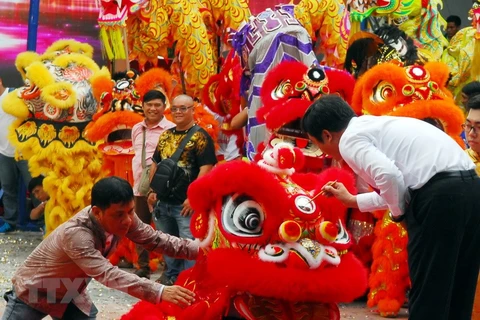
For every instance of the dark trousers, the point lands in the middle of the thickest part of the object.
(443, 224)
(16, 309)
(142, 211)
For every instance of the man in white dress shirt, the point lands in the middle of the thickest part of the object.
(422, 175)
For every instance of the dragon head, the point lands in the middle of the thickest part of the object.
(263, 26)
(362, 9)
(415, 91)
(287, 92)
(271, 237)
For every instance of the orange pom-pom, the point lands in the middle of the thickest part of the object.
(290, 231)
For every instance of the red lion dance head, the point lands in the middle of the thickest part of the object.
(287, 92)
(270, 246)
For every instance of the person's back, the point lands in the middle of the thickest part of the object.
(425, 179)
(422, 151)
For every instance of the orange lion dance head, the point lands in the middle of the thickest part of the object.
(415, 91)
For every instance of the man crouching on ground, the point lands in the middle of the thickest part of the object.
(53, 279)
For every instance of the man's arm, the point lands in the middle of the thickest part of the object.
(37, 212)
(153, 168)
(206, 159)
(239, 120)
(154, 240)
(79, 245)
(370, 201)
(369, 162)
(187, 209)
(204, 170)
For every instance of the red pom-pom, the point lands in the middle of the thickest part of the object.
(299, 159)
(199, 225)
(286, 158)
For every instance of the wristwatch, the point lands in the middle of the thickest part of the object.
(396, 219)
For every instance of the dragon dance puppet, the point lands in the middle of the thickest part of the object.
(53, 108)
(160, 25)
(419, 19)
(269, 38)
(281, 254)
(413, 91)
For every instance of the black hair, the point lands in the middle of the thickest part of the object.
(390, 34)
(130, 74)
(330, 112)
(471, 89)
(358, 53)
(153, 95)
(455, 19)
(35, 182)
(111, 190)
(474, 103)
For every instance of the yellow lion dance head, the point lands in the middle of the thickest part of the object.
(53, 108)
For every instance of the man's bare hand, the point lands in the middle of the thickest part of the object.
(152, 198)
(339, 191)
(186, 210)
(178, 295)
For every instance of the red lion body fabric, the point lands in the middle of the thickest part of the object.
(272, 249)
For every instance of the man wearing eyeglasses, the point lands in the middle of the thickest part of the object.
(198, 158)
(472, 131)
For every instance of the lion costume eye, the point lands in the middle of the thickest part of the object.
(283, 90)
(122, 85)
(382, 92)
(242, 216)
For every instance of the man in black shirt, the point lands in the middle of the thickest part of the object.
(197, 158)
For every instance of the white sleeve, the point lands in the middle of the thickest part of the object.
(367, 161)
(370, 201)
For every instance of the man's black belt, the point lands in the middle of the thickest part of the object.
(453, 174)
(466, 174)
